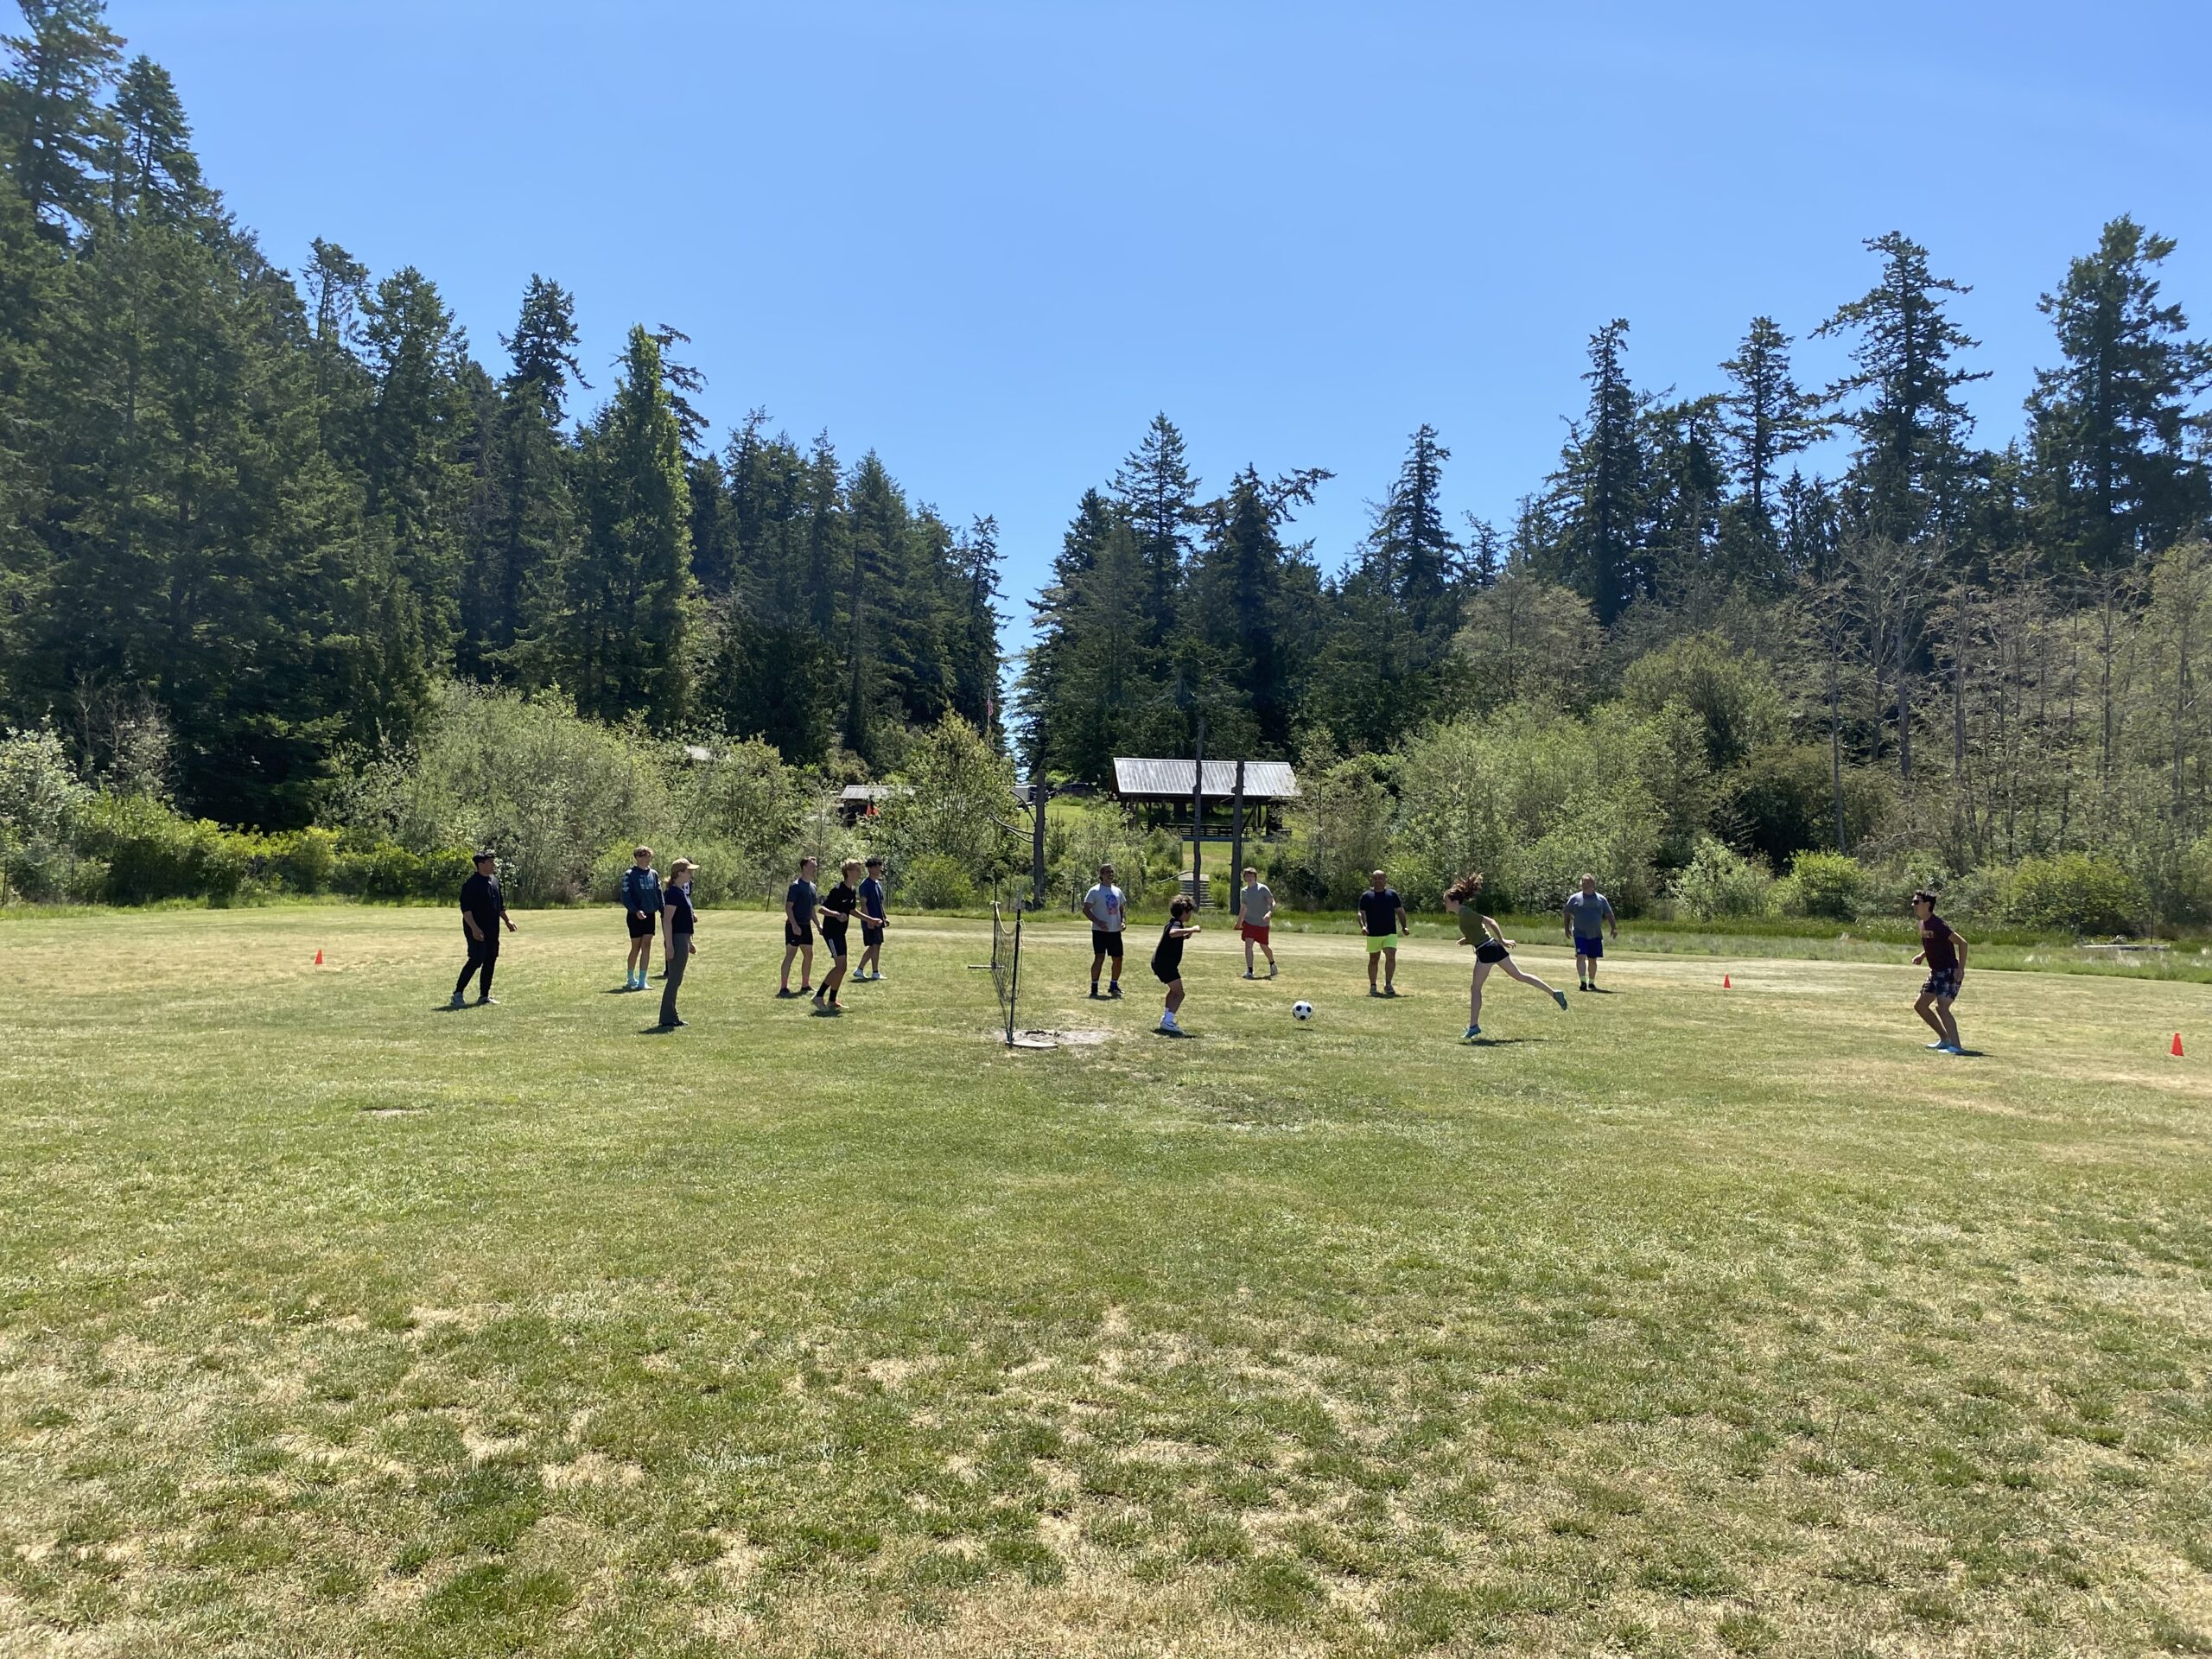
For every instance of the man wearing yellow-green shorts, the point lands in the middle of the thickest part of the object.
(1382, 919)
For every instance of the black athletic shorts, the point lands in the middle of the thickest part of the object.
(1167, 976)
(640, 929)
(797, 935)
(835, 943)
(1491, 950)
(1103, 943)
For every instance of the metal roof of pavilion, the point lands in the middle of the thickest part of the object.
(1264, 780)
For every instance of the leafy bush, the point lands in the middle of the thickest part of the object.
(40, 796)
(1532, 798)
(937, 881)
(1077, 842)
(1780, 800)
(2077, 892)
(1720, 884)
(152, 854)
(1733, 693)
(1821, 884)
(303, 860)
(382, 870)
(955, 796)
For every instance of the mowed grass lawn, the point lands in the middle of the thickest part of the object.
(1689, 1321)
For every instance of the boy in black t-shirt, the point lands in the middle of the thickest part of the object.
(1168, 959)
(838, 907)
(799, 900)
(1943, 949)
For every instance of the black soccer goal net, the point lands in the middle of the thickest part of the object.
(1006, 962)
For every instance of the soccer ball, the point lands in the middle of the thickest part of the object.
(1301, 1010)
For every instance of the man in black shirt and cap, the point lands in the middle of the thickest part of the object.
(482, 912)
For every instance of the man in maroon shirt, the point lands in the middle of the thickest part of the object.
(1944, 949)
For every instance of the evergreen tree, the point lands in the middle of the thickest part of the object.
(151, 170)
(1766, 419)
(1598, 549)
(1909, 470)
(419, 421)
(1157, 494)
(525, 522)
(618, 639)
(1049, 690)
(975, 649)
(2113, 477)
(52, 122)
(1417, 558)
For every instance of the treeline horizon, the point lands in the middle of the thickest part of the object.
(253, 516)
(1956, 654)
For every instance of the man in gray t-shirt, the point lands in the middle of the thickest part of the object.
(1254, 906)
(1588, 917)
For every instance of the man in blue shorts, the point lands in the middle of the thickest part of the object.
(1588, 916)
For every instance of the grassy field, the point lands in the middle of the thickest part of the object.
(1689, 1321)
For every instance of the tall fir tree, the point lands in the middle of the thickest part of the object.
(1902, 397)
(1599, 549)
(619, 638)
(2113, 475)
(52, 120)
(1159, 496)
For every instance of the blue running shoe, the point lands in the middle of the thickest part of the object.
(1559, 997)
(1473, 1032)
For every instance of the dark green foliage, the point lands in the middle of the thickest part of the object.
(274, 515)
(2112, 478)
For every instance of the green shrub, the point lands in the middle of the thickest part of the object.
(2076, 892)
(381, 870)
(41, 797)
(1780, 799)
(1720, 884)
(304, 861)
(152, 854)
(935, 881)
(1822, 884)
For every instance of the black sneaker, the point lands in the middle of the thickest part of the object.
(1115, 989)
(1094, 995)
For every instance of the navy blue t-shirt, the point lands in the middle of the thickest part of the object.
(480, 898)
(1378, 912)
(678, 902)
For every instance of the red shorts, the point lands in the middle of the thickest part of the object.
(1253, 935)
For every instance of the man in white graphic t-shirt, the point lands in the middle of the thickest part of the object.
(1106, 906)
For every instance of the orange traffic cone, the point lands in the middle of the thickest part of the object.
(2177, 1047)
(318, 958)
(1724, 985)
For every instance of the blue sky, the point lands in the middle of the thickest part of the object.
(990, 240)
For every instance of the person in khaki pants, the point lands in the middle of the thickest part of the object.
(676, 901)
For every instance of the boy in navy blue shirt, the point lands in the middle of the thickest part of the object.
(641, 907)
(871, 922)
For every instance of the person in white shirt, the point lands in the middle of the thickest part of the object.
(1108, 909)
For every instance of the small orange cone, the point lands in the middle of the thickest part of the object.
(318, 960)
(2176, 1048)
(1724, 985)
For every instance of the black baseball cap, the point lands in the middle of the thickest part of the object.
(486, 856)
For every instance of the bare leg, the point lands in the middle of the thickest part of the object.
(789, 952)
(806, 965)
(1175, 996)
(1390, 969)
(1248, 956)
(1270, 949)
(1513, 971)
(1950, 1025)
(1475, 994)
(830, 982)
(1926, 1009)
(1098, 960)
(1371, 957)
